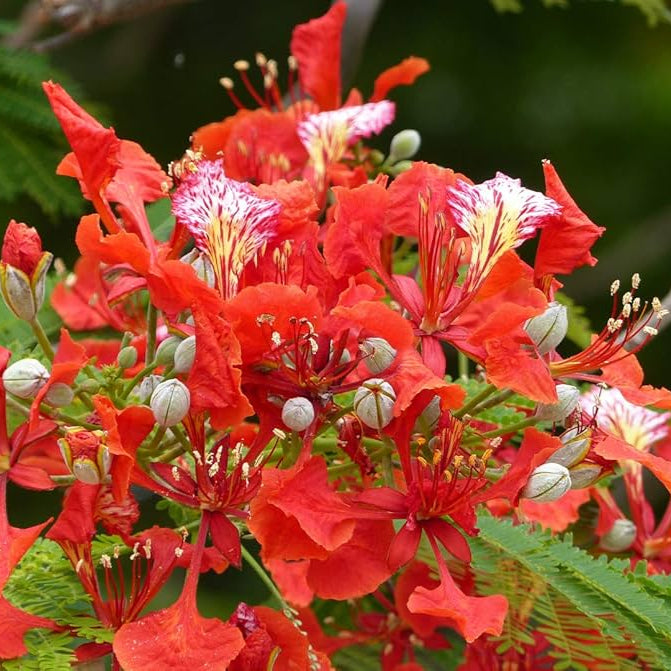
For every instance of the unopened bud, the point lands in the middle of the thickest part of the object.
(24, 294)
(374, 403)
(584, 475)
(165, 352)
(25, 378)
(548, 482)
(90, 386)
(379, 354)
(85, 454)
(620, 537)
(404, 144)
(170, 402)
(429, 417)
(59, 395)
(127, 357)
(146, 388)
(400, 167)
(568, 396)
(549, 329)
(298, 413)
(185, 355)
(575, 446)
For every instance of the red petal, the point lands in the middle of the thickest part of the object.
(559, 514)
(450, 538)
(472, 616)
(333, 578)
(297, 515)
(405, 73)
(215, 378)
(14, 623)
(535, 450)
(404, 546)
(612, 448)
(96, 147)
(76, 523)
(226, 538)
(121, 247)
(316, 46)
(291, 578)
(177, 637)
(21, 247)
(565, 242)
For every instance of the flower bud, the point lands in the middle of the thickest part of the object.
(59, 395)
(549, 329)
(90, 386)
(298, 413)
(147, 386)
(584, 475)
(165, 352)
(127, 357)
(429, 417)
(575, 447)
(378, 354)
(374, 403)
(400, 167)
(404, 144)
(568, 396)
(620, 537)
(23, 270)
(202, 265)
(548, 482)
(170, 402)
(25, 378)
(185, 354)
(85, 454)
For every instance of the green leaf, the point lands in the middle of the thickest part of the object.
(596, 613)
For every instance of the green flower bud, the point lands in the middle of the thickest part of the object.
(298, 413)
(429, 417)
(400, 167)
(25, 378)
(379, 354)
(584, 475)
(147, 386)
(548, 482)
(165, 352)
(575, 447)
(59, 395)
(90, 386)
(185, 354)
(549, 329)
(404, 144)
(170, 402)
(127, 357)
(374, 403)
(568, 396)
(620, 537)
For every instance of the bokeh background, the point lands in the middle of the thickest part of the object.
(587, 86)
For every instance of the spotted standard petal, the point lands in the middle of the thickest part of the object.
(498, 215)
(227, 220)
(639, 427)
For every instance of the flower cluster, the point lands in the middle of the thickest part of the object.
(336, 353)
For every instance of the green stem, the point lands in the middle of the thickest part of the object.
(157, 439)
(152, 319)
(145, 371)
(42, 338)
(177, 450)
(494, 400)
(265, 578)
(512, 428)
(475, 401)
(462, 363)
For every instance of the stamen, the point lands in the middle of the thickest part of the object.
(614, 287)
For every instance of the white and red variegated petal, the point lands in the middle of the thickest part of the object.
(226, 219)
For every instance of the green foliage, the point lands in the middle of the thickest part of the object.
(45, 584)
(160, 219)
(655, 11)
(596, 613)
(31, 140)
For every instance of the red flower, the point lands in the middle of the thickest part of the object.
(178, 636)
